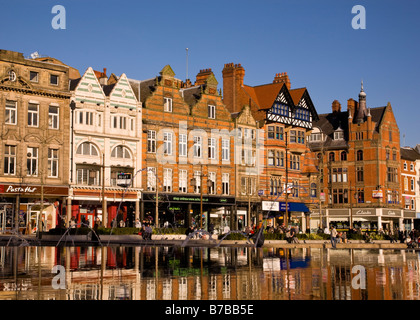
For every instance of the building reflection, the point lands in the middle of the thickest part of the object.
(168, 273)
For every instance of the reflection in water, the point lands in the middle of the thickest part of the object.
(186, 273)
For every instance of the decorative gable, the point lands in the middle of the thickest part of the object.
(122, 94)
(89, 89)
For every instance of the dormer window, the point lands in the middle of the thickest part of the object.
(338, 134)
(211, 111)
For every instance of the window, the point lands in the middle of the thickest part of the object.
(151, 141)
(211, 111)
(197, 179)
(12, 75)
(313, 190)
(151, 179)
(167, 143)
(411, 167)
(197, 146)
(360, 195)
(88, 176)
(302, 114)
(392, 174)
(10, 160)
(119, 122)
(32, 161)
(279, 133)
(182, 145)
(53, 122)
(32, 115)
(387, 154)
(244, 184)
(301, 137)
(292, 136)
(315, 137)
(212, 148)
(167, 180)
(212, 183)
(225, 149)
(121, 152)
(167, 104)
(338, 135)
(390, 135)
(53, 163)
(270, 157)
(405, 184)
(11, 112)
(270, 132)
(33, 76)
(225, 183)
(340, 196)
(331, 157)
(359, 174)
(87, 149)
(343, 156)
(183, 180)
(394, 155)
(359, 155)
(86, 117)
(412, 184)
(54, 80)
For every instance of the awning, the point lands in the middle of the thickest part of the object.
(292, 207)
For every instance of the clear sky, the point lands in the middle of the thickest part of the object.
(313, 41)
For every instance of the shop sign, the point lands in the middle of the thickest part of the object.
(364, 212)
(270, 206)
(377, 194)
(391, 213)
(28, 190)
(409, 214)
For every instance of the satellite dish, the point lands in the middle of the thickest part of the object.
(35, 55)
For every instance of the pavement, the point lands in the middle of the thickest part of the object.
(180, 240)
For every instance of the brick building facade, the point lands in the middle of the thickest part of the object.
(358, 153)
(284, 117)
(187, 143)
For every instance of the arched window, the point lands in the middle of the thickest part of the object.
(344, 156)
(121, 152)
(359, 155)
(87, 149)
(331, 156)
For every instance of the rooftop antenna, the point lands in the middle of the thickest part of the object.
(187, 63)
(404, 139)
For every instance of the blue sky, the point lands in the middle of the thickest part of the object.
(313, 41)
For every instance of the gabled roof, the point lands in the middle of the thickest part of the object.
(264, 95)
(410, 154)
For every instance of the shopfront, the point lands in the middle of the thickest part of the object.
(339, 218)
(184, 210)
(366, 219)
(86, 203)
(20, 206)
(298, 214)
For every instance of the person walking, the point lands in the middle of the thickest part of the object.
(333, 237)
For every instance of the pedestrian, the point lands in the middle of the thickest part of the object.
(138, 224)
(344, 237)
(333, 237)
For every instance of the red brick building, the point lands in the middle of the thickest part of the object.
(187, 150)
(284, 117)
(358, 154)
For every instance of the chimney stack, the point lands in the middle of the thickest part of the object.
(233, 80)
(202, 76)
(282, 78)
(336, 106)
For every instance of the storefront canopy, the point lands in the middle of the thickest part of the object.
(292, 207)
